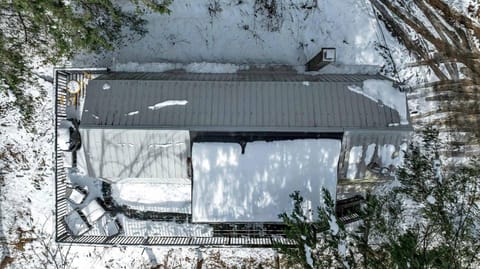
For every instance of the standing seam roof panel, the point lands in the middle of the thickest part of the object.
(329, 106)
(248, 105)
(297, 107)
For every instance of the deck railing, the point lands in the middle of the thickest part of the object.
(180, 241)
(61, 78)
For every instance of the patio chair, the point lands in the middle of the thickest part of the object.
(76, 223)
(112, 226)
(76, 195)
(93, 211)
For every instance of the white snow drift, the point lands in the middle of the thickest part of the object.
(255, 186)
(384, 92)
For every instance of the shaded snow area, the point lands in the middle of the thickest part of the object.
(63, 135)
(308, 255)
(373, 158)
(198, 67)
(382, 91)
(154, 195)
(255, 186)
(243, 32)
(427, 107)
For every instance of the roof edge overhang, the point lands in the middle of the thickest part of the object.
(396, 129)
(261, 75)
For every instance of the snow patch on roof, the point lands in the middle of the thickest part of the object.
(168, 103)
(132, 113)
(144, 67)
(382, 91)
(389, 155)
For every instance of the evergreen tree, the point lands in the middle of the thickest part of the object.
(318, 243)
(50, 30)
(442, 216)
(428, 217)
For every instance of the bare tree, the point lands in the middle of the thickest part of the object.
(445, 40)
(444, 36)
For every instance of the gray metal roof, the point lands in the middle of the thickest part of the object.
(242, 75)
(243, 101)
(116, 154)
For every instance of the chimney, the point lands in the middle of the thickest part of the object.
(326, 56)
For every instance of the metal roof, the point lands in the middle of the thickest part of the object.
(116, 154)
(243, 101)
(242, 75)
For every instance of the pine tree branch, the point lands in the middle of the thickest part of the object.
(25, 29)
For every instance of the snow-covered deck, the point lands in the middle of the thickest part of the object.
(229, 186)
(154, 194)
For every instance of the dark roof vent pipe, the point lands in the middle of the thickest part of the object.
(326, 56)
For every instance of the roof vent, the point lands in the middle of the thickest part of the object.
(326, 56)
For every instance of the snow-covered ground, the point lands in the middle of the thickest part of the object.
(235, 33)
(244, 31)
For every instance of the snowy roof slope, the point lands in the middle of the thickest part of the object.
(116, 154)
(254, 187)
(244, 101)
(384, 92)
